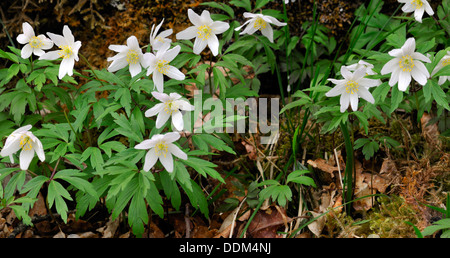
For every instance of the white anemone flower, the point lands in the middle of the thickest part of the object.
(68, 51)
(159, 65)
(366, 65)
(418, 7)
(352, 87)
(405, 65)
(158, 40)
(33, 44)
(23, 139)
(130, 54)
(442, 63)
(204, 31)
(171, 106)
(161, 147)
(287, 1)
(260, 22)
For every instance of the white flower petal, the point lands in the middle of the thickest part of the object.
(194, 18)
(268, 32)
(213, 44)
(167, 162)
(199, 45)
(135, 69)
(409, 47)
(344, 101)
(171, 137)
(337, 90)
(161, 119)
(117, 65)
(419, 76)
(66, 67)
(57, 39)
(52, 55)
(403, 80)
(28, 30)
(154, 110)
(146, 144)
(365, 94)
(172, 53)
(174, 73)
(177, 120)
(11, 147)
(177, 152)
(25, 158)
(150, 160)
(390, 66)
(26, 52)
(354, 99)
(39, 149)
(421, 57)
(219, 27)
(189, 33)
(133, 43)
(394, 77)
(67, 33)
(163, 97)
(158, 81)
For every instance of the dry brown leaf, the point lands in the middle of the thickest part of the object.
(266, 223)
(316, 227)
(368, 184)
(430, 132)
(323, 166)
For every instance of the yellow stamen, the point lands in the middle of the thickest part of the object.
(446, 62)
(170, 107)
(406, 63)
(26, 143)
(417, 4)
(351, 87)
(65, 52)
(132, 57)
(260, 23)
(161, 148)
(35, 42)
(162, 66)
(204, 32)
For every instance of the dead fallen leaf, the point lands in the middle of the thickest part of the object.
(316, 227)
(266, 223)
(430, 131)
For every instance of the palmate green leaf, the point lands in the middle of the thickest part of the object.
(221, 6)
(137, 213)
(203, 167)
(16, 182)
(56, 195)
(439, 95)
(196, 197)
(299, 177)
(246, 4)
(74, 177)
(170, 188)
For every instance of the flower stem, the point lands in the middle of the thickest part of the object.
(349, 165)
(90, 66)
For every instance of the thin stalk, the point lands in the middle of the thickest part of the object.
(349, 165)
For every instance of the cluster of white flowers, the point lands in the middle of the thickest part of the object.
(68, 48)
(405, 66)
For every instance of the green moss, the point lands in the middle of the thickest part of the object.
(388, 219)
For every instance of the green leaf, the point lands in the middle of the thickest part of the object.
(55, 195)
(299, 177)
(439, 95)
(73, 177)
(242, 3)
